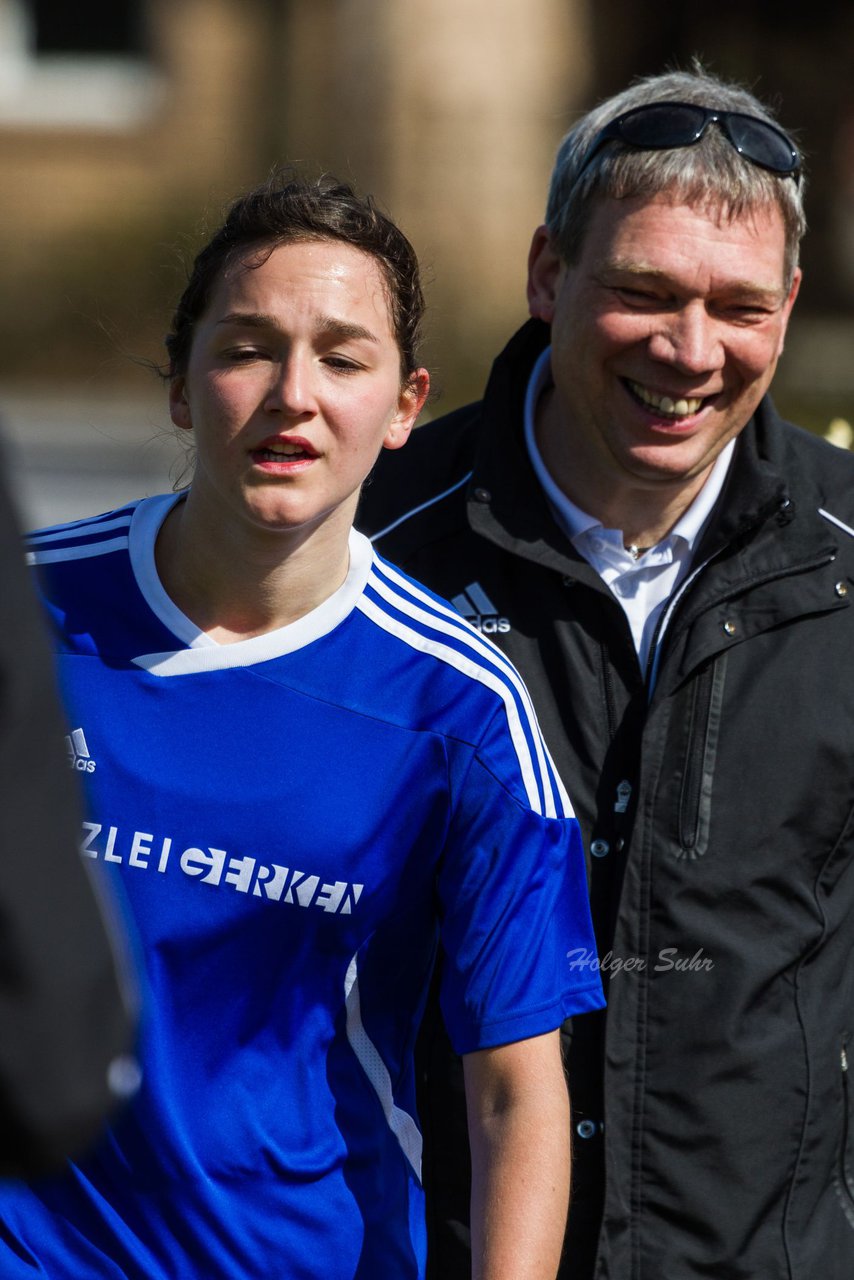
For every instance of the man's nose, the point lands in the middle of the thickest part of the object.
(690, 340)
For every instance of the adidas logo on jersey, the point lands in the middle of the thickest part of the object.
(78, 752)
(475, 606)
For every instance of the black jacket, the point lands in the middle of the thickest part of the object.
(714, 1132)
(67, 1006)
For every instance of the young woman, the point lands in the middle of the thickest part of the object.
(304, 769)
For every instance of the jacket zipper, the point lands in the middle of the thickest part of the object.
(695, 801)
(689, 803)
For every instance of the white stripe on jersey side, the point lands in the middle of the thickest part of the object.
(463, 631)
(58, 533)
(399, 1121)
(476, 671)
(431, 502)
(84, 551)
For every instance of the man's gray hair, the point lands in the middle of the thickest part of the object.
(711, 172)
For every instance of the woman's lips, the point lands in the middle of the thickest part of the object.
(284, 452)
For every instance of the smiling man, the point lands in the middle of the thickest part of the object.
(670, 565)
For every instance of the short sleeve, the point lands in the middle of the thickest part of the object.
(514, 903)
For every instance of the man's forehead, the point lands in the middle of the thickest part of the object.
(643, 230)
(715, 207)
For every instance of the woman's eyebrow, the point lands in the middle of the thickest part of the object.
(344, 329)
(329, 326)
(250, 319)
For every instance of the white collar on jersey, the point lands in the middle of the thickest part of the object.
(204, 654)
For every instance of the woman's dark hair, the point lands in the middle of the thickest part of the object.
(287, 209)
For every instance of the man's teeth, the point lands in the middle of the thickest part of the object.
(673, 408)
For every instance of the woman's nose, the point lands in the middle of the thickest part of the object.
(291, 387)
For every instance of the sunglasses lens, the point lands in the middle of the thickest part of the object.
(662, 125)
(658, 126)
(762, 144)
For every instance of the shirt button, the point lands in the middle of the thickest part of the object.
(841, 588)
(586, 1128)
(599, 848)
(730, 627)
(482, 495)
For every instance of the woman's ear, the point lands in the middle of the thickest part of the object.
(179, 405)
(413, 395)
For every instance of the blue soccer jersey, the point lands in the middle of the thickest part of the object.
(292, 822)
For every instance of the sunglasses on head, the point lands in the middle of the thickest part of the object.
(662, 126)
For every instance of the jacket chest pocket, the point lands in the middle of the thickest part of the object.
(703, 738)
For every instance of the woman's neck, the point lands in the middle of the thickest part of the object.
(236, 582)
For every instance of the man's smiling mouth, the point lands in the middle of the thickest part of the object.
(684, 407)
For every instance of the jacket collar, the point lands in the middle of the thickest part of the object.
(755, 489)
(505, 501)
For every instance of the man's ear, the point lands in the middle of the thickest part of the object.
(179, 405)
(544, 270)
(413, 395)
(787, 307)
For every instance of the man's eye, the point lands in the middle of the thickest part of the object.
(640, 298)
(747, 312)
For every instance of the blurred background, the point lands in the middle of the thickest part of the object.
(127, 125)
